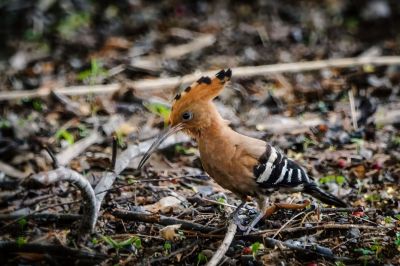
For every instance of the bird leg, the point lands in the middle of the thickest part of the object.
(266, 212)
(235, 216)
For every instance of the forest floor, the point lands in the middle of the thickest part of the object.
(86, 88)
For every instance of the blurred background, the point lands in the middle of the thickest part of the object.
(54, 40)
(341, 123)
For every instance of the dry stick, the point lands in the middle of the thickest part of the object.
(123, 161)
(248, 71)
(230, 234)
(11, 171)
(172, 254)
(95, 136)
(353, 109)
(161, 219)
(32, 214)
(7, 247)
(271, 232)
(289, 221)
(43, 217)
(279, 124)
(65, 174)
(271, 243)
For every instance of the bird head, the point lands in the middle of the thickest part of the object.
(192, 109)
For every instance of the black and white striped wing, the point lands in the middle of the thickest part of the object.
(275, 170)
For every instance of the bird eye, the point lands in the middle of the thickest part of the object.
(186, 116)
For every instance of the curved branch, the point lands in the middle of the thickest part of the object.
(64, 174)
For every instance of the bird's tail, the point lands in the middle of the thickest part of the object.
(323, 196)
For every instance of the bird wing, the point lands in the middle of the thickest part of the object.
(275, 170)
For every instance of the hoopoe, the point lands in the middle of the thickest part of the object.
(244, 165)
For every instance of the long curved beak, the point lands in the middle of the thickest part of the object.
(161, 137)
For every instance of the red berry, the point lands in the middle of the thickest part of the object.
(377, 166)
(312, 264)
(246, 250)
(341, 163)
(358, 213)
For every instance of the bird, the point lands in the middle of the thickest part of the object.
(248, 167)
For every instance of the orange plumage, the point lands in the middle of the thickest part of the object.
(241, 164)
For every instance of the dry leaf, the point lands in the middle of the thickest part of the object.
(358, 171)
(165, 205)
(169, 232)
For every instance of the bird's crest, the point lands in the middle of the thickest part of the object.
(204, 88)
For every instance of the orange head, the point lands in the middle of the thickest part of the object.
(192, 110)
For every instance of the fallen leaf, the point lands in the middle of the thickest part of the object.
(358, 171)
(169, 232)
(165, 205)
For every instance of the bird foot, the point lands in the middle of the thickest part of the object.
(239, 224)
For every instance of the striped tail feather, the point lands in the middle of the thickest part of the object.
(323, 196)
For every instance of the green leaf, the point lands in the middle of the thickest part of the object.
(4, 123)
(64, 134)
(372, 197)
(167, 246)
(388, 220)
(83, 130)
(37, 105)
(397, 240)
(160, 110)
(397, 216)
(364, 251)
(21, 241)
(201, 258)
(111, 242)
(183, 150)
(95, 71)
(68, 26)
(255, 247)
(22, 222)
(340, 180)
(221, 200)
(332, 178)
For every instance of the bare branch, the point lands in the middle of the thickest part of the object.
(161, 219)
(230, 234)
(89, 199)
(165, 83)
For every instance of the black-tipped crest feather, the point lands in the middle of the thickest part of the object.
(222, 74)
(203, 79)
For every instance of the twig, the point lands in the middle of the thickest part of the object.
(78, 147)
(65, 174)
(172, 254)
(270, 242)
(11, 171)
(114, 152)
(54, 159)
(353, 109)
(7, 247)
(337, 210)
(95, 136)
(23, 216)
(271, 232)
(279, 124)
(161, 219)
(71, 106)
(289, 221)
(43, 217)
(248, 71)
(230, 234)
(123, 161)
